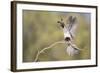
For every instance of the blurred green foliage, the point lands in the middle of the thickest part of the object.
(40, 29)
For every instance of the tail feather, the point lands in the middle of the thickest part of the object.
(72, 50)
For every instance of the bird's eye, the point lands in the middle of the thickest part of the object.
(67, 39)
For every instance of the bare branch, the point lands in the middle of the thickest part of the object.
(41, 51)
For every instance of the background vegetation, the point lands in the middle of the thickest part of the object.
(40, 29)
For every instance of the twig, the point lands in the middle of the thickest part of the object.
(73, 45)
(41, 51)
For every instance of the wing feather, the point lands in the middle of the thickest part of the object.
(72, 25)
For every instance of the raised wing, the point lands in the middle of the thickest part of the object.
(69, 29)
(72, 25)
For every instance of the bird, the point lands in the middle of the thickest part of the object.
(69, 34)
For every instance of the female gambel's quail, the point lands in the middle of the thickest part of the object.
(69, 34)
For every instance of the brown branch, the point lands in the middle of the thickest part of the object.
(41, 51)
